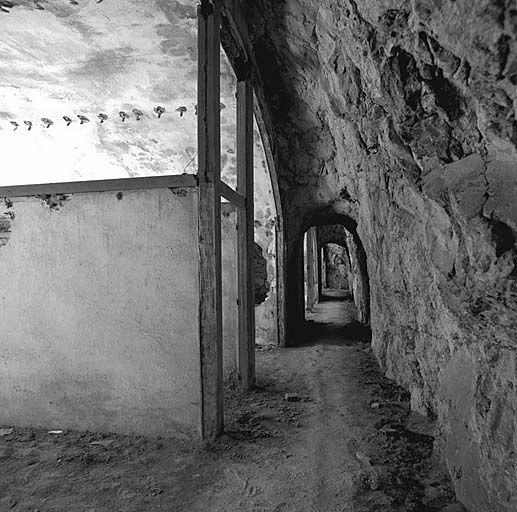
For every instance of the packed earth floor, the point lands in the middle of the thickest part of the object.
(343, 440)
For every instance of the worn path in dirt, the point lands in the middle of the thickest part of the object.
(338, 457)
(317, 469)
(333, 450)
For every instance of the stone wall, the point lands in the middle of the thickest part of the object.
(336, 267)
(398, 117)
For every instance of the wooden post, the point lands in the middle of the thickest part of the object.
(281, 278)
(209, 172)
(246, 348)
(311, 268)
(321, 273)
(295, 303)
(315, 266)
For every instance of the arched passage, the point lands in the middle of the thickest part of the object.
(357, 270)
(334, 268)
(339, 229)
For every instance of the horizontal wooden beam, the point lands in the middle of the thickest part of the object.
(77, 187)
(231, 195)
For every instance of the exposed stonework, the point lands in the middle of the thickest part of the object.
(5, 230)
(336, 267)
(399, 116)
(261, 283)
(358, 278)
(357, 269)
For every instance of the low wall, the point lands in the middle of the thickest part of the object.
(100, 311)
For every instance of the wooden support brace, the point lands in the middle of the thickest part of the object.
(79, 187)
(234, 197)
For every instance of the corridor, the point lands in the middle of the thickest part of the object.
(343, 440)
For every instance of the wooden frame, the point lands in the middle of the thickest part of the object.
(231, 195)
(245, 223)
(312, 268)
(209, 173)
(77, 187)
(211, 189)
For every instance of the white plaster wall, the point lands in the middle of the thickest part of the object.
(230, 290)
(99, 305)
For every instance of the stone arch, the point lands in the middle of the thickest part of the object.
(360, 283)
(295, 270)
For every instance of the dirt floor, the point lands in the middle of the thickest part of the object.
(347, 442)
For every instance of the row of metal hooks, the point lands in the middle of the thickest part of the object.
(122, 115)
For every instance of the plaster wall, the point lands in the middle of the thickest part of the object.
(266, 222)
(99, 309)
(230, 290)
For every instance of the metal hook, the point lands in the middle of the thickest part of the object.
(138, 114)
(5, 6)
(47, 123)
(159, 111)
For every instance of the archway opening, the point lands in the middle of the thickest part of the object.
(328, 263)
(335, 272)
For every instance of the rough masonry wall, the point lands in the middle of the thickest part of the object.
(99, 308)
(400, 115)
(357, 270)
(336, 267)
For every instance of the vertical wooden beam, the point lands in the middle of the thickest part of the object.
(281, 278)
(295, 303)
(246, 348)
(316, 265)
(311, 268)
(209, 173)
(315, 295)
(321, 272)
